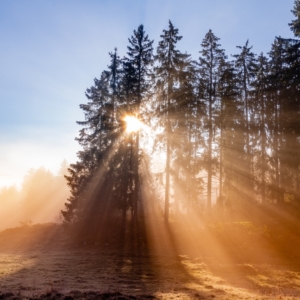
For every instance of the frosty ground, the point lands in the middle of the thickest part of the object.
(41, 262)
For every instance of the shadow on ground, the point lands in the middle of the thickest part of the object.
(183, 260)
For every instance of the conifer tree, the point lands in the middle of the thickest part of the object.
(139, 62)
(262, 126)
(114, 75)
(187, 140)
(170, 63)
(277, 70)
(97, 138)
(228, 121)
(292, 116)
(245, 63)
(284, 86)
(211, 58)
(295, 24)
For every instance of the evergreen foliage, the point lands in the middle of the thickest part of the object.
(212, 56)
(245, 64)
(228, 130)
(140, 59)
(295, 24)
(170, 73)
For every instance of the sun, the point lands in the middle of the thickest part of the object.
(133, 124)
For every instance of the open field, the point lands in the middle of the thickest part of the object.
(40, 262)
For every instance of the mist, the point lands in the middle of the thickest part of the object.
(39, 200)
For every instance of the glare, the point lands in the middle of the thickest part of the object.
(133, 124)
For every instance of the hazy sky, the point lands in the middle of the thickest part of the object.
(50, 52)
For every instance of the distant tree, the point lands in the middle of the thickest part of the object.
(43, 195)
(8, 195)
(10, 198)
(63, 168)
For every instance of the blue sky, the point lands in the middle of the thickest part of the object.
(52, 50)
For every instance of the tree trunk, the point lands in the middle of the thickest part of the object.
(221, 157)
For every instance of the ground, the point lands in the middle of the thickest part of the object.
(41, 262)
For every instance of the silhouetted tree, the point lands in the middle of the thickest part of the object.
(277, 70)
(229, 122)
(138, 63)
(98, 137)
(211, 58)
(170, 65)
(245, 63)
(236, 120)
(262, 125)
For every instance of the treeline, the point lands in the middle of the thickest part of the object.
(222, 122)
(40, 199)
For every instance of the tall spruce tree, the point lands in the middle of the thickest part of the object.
(170, 63)
(140, 60)
(245, 63)
(114, 75)
(262, 125)
(292, 116)
(210, 60)
(285, 86)
(98, 138)
(277, 71)
(295, 24)
(187, 140)
(93, 139)
(227, 122)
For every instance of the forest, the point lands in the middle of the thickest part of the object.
(212, 137)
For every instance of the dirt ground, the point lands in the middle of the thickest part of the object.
(38, 262)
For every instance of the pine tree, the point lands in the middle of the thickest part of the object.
(98, 137)
(187, 139)
(170, 63)
(262, 126)
(227, 122)
(114, 75)
(138, 62)
(211, 58)
(292, 116)
(245, 63)
(285, 64)
(277, 70)
(90, 138)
